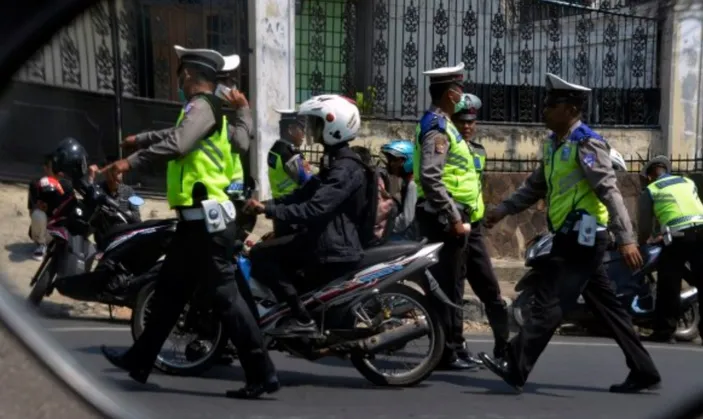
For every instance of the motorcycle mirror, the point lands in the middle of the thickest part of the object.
(135, 200)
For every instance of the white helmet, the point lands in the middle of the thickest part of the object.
(617, 160)
(332, 118)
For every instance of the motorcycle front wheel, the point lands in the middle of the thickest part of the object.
(687, 328)
(203, 349)
(42, 280)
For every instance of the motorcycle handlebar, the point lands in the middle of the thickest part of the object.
(97, 197)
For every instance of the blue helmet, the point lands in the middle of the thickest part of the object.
(402, 149)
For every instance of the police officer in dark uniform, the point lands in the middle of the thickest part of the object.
(287, 168)
(672, 203)
(479, 269)
(577, 180)
(448, 193)
(197, 150)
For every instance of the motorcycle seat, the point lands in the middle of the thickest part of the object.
(121, 229)
(388, 252)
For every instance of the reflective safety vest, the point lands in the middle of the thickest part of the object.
(676, 202)
(567, 187)
(461, 175)
(281, 183)
(210, 163)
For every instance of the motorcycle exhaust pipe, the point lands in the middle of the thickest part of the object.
(396, 337)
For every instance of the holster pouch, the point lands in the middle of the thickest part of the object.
(218, 215)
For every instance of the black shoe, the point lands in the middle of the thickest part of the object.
(457, 364)
(501, 368)
(254, 391)
(295, 327)
(121, 362)
(634, 384)
(468, 357)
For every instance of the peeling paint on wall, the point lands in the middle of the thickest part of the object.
(274, 62)
(689, 69)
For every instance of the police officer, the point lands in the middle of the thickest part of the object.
(287, 167)
(479, 269)
(240, 133)
(673, 202)
(448, 197)
(198, 154)
(577, 180)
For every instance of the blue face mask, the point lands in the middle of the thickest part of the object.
(182, 95)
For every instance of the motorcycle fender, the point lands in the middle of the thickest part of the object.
(526, 281)
(689, 296)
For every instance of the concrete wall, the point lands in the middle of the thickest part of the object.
(515, 141)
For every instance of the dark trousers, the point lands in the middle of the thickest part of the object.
(670, 271)
(575, 270)
(482, 278)
(284, 264)
(245, 222)
(449, 273)
(197, 258)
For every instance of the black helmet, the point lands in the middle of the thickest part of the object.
(71, 159)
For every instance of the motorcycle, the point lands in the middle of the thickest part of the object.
(360, 316)
(635, 290)
(126, 253)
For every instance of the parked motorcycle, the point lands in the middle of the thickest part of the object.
(126, 253)
(636, 290)
(375, 310)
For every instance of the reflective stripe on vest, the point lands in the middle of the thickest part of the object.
(210, 163)
(676, 202)
(567, 187)
(460, 177)
(281, 183)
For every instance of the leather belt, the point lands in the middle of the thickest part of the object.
(577, 225)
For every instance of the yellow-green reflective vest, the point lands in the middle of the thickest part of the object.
(210, 163)
(567, 187)
(676, 202)
(461, 175)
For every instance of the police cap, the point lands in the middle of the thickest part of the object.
(290, 115)
(660, 160)
(561, 91)
(467, 109)
(446, 75)
(208, 62)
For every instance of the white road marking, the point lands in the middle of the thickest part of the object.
(88, 329)
(686, 347)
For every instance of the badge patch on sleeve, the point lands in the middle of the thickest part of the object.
(440, 145)
(188, 107)
(589, 159)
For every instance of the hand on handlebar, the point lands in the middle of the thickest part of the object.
(253, 206)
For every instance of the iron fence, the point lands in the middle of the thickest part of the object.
(376, 51)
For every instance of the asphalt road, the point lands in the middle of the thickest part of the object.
(571, 380)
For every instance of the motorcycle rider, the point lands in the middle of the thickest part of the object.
(673, 203)
(479, 269)
(399, 162)
(287, 168)
(197, 150)
(577, 181)
(449, 198)
(329, 209)
(38, 209)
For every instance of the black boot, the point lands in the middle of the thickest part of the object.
(125, 363)
(635, 384)
(255, 390)
(502, 369)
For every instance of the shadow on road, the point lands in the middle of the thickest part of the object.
(498, 387)
(20, 251)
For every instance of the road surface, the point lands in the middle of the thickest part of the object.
(571, 380)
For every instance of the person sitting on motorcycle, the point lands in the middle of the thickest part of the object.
(673, 203)
(330, 208)
(399, 162)
(37, 211)
(114, 187)
(49, 194)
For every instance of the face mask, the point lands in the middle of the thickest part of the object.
(458, 106)
(182, 95)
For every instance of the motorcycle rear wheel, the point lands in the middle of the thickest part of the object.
(428, 365)
(193, 368)
(687, 329)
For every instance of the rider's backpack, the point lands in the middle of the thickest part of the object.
(381, 210)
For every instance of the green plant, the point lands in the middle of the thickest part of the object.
(365, 100)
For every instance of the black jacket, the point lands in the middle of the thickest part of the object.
(329, 206)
